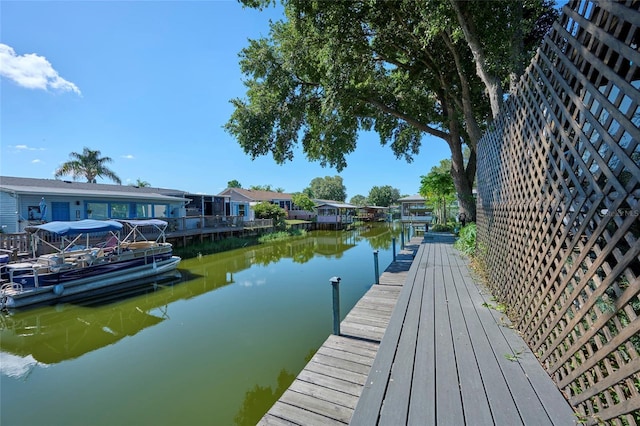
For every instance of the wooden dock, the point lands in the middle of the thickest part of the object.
(447, 356)
(327, 390)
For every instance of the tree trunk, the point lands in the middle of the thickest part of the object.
(462, 178)
(494, 89)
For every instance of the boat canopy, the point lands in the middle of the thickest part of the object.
(77, 227)
(134, 229)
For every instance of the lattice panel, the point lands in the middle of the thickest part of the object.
(559, 208)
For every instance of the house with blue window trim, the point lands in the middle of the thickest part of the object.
(27, 201)
(241, 201)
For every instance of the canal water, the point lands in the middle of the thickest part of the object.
(215, 345)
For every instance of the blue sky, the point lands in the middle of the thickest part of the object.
(148, 84)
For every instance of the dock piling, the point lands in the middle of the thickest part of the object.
(375, 264)
(335, 284)
(393, 243)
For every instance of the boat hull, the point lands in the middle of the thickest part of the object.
(70, 288)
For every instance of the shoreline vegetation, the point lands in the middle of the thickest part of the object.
(226, 244)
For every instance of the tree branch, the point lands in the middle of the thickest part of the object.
(410, 120)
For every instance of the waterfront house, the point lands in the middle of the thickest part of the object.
(241, 202)
(334, 214)
(413, 209)
(373, 213)
(27, 201)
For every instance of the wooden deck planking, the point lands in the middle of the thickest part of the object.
(327, 389)
(444, 357)
(545, 390)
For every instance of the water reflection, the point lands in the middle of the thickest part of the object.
(49, 335)
(237, 342)
(259, 399)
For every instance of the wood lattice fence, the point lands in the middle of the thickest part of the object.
(559, 208)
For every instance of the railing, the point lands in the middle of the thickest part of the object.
(559, 207)
(196, 222)
(258, 223)
(13, 244)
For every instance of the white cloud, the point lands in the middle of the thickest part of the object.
(32, 71)
(128, 157)
(36, 161)
(26, 148)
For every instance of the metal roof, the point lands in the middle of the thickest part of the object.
(94, 190)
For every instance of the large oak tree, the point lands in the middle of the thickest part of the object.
(403, 68)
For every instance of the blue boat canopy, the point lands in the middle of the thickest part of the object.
(77, 227)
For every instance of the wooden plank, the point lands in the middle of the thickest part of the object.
(336, 373)
(341, 363)
(294, 414)
(396, 401)
(355, 346)
(365, 318)
(330, 382)
(498, 393)
(422, 407)
(370, 403)
(474, 399)
(372, 335)
(547, 393)
(448, 400)
(324, 393)
(271, 420)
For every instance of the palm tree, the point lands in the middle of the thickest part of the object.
(140, 183)
(88, 164)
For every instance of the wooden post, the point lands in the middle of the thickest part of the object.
(375, 263)
(393, 243)
(335, 283)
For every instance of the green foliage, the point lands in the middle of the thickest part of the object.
(383, 196)
(327, 188)
(441, 227)
(359, 200)
(282, 235)
(466, 243)
(231, 243)
(303, 201)
(267, 188)
(234, 184)
(140, 183)
(515, 356)
(89, 165)
(438, 189)
(266, 210)
(400, 68)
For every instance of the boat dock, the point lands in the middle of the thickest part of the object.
(448, 356)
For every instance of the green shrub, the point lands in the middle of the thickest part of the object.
(282, 235)
(441, 227)
(466, 242)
